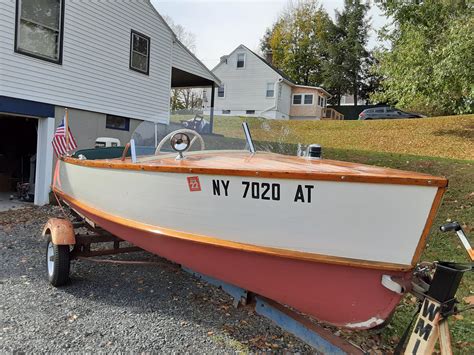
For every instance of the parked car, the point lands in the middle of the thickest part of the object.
(385, 113)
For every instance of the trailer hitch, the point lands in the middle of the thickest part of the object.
(438, 301)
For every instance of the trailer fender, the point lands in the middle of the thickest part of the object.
(60, 230)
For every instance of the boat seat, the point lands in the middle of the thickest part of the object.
(111, 152)
(101, 153)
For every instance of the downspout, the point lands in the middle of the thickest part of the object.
(269, 109)
(275, 105)
(211, 112)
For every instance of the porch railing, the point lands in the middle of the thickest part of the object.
(331, 114)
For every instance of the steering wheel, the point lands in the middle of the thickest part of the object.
(197, 136)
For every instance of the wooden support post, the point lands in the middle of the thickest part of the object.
(445, 338)
(211, 113)
(66, 128)
(427, 328)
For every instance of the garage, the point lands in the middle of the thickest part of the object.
(26, 153)
(18, 144)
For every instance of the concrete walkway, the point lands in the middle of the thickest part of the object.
(6, 204)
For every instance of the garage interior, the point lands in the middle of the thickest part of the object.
(18, 144)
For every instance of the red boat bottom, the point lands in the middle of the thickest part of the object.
(343, 296)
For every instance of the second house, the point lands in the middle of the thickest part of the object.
(252, 86)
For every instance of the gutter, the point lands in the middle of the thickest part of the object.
(305, 86)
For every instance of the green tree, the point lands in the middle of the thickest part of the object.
(335, 78)
(348, 66)
(298, 41)
(429, 66)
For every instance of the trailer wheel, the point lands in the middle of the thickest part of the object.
(57, 263)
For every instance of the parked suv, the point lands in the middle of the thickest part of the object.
(385, 113)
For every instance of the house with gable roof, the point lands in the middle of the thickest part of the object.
(252, 86)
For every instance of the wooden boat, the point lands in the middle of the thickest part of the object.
(335, 240)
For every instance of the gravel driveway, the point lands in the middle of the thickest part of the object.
(111, 307)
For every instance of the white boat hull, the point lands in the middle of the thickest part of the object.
(372, 222)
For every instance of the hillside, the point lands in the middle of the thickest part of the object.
(447, 137)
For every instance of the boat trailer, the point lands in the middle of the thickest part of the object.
(435, 286)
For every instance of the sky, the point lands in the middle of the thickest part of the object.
(221, 25)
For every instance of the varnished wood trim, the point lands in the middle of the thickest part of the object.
(301, 175)
(290, 254)
(125, 151)
(429, 222)
(471, 254)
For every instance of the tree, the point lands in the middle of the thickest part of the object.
(185, 37)
(429, 66)
(297, 41)
(348, 66)
(265, 42)
(369, 82)
(187, 98)
(312, 50)
(335, 79)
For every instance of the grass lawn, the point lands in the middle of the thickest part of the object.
(445, 137)
(457, 205)
(442, 146)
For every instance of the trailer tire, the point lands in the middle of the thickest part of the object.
(57, 263)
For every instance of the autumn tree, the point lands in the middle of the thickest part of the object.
(312, 50)
(429, 63)
(298, 41)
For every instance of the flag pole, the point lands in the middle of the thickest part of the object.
(66, 128)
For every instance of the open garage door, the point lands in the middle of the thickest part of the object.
(18, 144)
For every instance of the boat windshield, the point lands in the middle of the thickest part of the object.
(154, 138)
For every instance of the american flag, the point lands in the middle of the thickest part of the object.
(60, 141)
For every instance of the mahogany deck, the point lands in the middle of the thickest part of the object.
(268, 165)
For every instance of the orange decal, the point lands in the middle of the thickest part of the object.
(194, 184)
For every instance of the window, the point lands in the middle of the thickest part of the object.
(140, 52)
(241, 60)
(297, 99)
(221, 91)
(270, 90)
(250, 112)
(39, 29)
(226, 112)
(303, 99)
(117, 122)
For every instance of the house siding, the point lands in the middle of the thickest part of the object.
(94, 74)
(245, 89)
(87, 126)
(306, 111)
(183, 60)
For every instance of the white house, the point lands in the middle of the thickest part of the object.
(112, 63)
(348, 100)
(252, 86)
